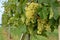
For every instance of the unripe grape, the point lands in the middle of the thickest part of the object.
(40, 27)
(38, 32)
(47, 27)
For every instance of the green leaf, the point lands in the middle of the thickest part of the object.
(52, 21)
(38, 37)
(19, 30)
(52, 28)
(56, 14)
(45, 12)
(41, 15)
(42, 1)
(51, 13)
(5, 19)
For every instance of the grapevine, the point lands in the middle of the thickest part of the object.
(35, 17)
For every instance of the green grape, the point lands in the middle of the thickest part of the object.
(40, 27)
(47, 27)
(43, 21)
(27, 21)
(29, 14)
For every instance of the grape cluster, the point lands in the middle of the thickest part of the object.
(31, 10)
(43, 25)
(40, 26)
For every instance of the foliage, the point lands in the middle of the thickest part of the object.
(34, 17)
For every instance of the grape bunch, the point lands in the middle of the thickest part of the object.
(39, 26)
(42, 25)
(31, 10)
